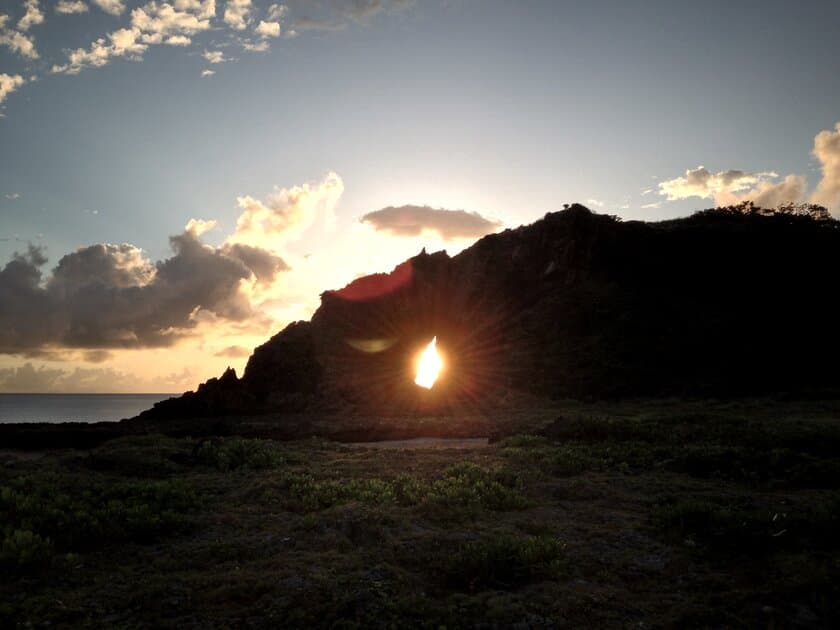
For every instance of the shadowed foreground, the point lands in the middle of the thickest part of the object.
(614, 515)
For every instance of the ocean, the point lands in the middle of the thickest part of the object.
(74, 407)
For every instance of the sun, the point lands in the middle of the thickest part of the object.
(429, 365)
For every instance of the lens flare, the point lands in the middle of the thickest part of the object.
(429, 365)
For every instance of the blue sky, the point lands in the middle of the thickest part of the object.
(505, 109)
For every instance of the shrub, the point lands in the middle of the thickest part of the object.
(240, 454)
(74, 517)
(22, 548)
(504, 562)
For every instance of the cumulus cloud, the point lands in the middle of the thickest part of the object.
(214, 56)
(700, 182)
(18, 42)
(8, 84)
(764, 188)
(412, 220)
(827, 151)
(123, 42)
(207, 73)
(69, 7)
(10, 196)
(237, 14)
(258, 46)
(268, 29)
(151, 24)
(112, 296)
(32, 15)
(112, 7)
(276, 12)
(287, 211)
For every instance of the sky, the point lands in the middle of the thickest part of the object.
(181, 179)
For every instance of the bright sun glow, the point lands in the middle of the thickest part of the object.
(428, 365)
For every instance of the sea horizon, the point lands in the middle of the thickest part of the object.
(57, 408)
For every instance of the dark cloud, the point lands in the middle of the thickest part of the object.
(261, 262)
(111, 296)
(412, 220)
(27, 378)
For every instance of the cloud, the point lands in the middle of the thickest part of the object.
(16, 41)
(276, 12)
(286, 212)
(700, 182)
(412, 220)
(68, 7)
(214, 56)
(112, 296)
(341, 13)
(124, 42)
(234, 352)
(268, 29)
(827, 151)
(30, 379)
(260, 46)
(112, 7)
(8, 84)
(237, 14)
(32, 17)
(14, 195)
(153, 23)
(207, 73)
(595, 203)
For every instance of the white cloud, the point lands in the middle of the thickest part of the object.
(32, 17)
(700, 182)
(286, 212)
(276, 12)
(595, 202)
(237, 14)
(768, 194)
(10, 196)
(113, 7)
(161, 20)
(259, 46)
(207, 73)
(68, 7)
(16, 41)
(124, 43)
(8, 84)
(827, 151)
(214, 56)
(153, 23)
(268, 29)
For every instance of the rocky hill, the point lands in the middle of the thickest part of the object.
(733, 301)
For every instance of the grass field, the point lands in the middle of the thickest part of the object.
(643, 514)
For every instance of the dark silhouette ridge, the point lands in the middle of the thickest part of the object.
(728, 302)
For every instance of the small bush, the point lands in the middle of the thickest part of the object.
(462, 486)
(240, 454)
(22, 549)
(73, 517)
(504, 562)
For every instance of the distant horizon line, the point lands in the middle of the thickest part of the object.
(90, 393)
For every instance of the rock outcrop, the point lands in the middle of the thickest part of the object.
(575, 305)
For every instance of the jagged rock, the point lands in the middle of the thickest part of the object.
(575, 305)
